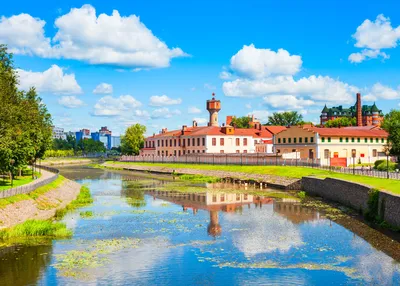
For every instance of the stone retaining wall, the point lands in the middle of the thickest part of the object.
(354, 195)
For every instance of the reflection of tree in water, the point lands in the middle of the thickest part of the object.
(22, 265)
(134, 193)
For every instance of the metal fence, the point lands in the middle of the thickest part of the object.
(258, 160)
(25, 189)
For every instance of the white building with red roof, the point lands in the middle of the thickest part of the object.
(212, 138)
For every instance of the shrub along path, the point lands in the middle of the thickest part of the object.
(276, 173)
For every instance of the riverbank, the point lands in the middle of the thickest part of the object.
(267, 180)
(67, 161)
(40, 204)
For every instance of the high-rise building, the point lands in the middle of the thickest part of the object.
(115, 141)
(82, 134)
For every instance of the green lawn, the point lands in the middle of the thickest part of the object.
(18, 181)
(286, 171)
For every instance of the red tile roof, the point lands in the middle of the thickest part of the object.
(351, 132)
(275, 129)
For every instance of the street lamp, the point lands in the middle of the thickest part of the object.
(296, 156)
(353, 154)
(387, 163)
(276, 157)
(12, 161)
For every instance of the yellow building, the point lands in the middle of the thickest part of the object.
(332, 146)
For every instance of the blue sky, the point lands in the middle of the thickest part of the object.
(157, 62)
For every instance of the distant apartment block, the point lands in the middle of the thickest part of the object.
(115, 141)
(58, 133)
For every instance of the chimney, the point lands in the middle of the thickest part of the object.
(359, 110)
(229, 120)
(164, 130)
(194, 123)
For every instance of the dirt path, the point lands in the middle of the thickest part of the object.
(270, 180)
(43, 207)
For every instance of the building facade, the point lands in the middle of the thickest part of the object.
(332, 146)
(366, 115)
(115, 141)
(58, 133)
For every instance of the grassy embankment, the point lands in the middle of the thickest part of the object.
(66, 160)
(284, 171)
(47, 228)
(5, 183)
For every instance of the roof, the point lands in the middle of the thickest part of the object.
(363, 131)
(275, 129)
(350, 132)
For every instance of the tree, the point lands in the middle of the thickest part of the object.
(287, 118)
(341, 122)
(133, 139)
(391, 124)
(25, 124)
(241, 122)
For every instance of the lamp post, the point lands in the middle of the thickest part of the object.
(12, 161)
(353, 154)
(276, 157)
(387, 163)
(296, 156)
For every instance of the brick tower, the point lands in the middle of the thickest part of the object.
(213, 106)
(359, 110)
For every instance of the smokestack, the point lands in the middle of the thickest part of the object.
(359, 110)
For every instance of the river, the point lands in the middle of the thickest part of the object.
(153, 230)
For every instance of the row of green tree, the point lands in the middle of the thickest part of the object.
(25, 123)
(81, 147)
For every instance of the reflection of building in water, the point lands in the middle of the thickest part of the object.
(293, 211)
(212, 202)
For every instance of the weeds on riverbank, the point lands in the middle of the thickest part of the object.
(84, 199)
(36, 228)
(199, 178)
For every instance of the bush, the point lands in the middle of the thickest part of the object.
(384, 166)
(59, 153)
(301, 195)
(377, 163)
(35, 228)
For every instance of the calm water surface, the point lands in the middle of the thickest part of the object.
(139, 231)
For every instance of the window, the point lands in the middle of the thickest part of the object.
(244, 151)
(365, 140)
(179, 142)
(174, 152)
(374, 153)
(289, 140)
(326, 153)
(179, 152)
(284, 140)
(194, 141)
(358, 140)
(184, 152)
(174, 142)
(198, 141)
(323, 139)
(244, 141)
(237, 151)
(162, 143)
(377, 140)
(279, 140)
(158, 143)
(188, 141)
(295, 140)
(214, 198)
(300, 139)
(188, 151)
(341, 140)
(311, 139)
(371, 140)
(170, 142)
(347, 140)
(237, 141)
(329, 140)
(221, 141)
(245, 197)
(238, 197)
(222, 197)
(306, 140)
(166, 153)
(221, 151)
(214, 141)
(198, 151)
(158, 153)
(204, 141)
(352, 140)
(383, 140)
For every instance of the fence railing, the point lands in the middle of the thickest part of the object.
(25, 189)
(258, 160)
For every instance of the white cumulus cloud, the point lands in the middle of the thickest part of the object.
(200, 120)
(287, 101)
(164, 113)
(114, 106)
(83, 35)
(70, 101)
(380, 91)
(261, 115)
(194, 110)
(103, 88)
(259, 63)
(374, 36)
(53, 80)
(161, 100)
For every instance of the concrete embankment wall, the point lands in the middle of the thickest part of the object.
(354, 195)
